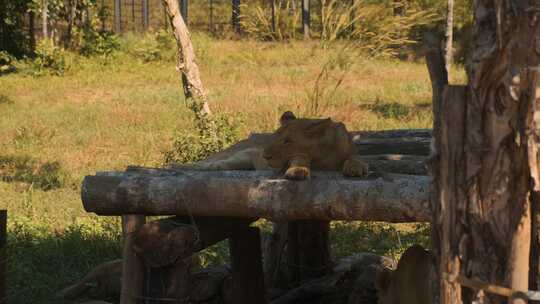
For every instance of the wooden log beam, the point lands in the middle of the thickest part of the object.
(327, 196)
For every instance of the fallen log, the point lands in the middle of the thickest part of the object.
(327, 196)
(397, 163)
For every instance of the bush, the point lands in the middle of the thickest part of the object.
(49, 59)
(7, 63)
(212, 135)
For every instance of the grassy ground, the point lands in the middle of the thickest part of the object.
(107, 113)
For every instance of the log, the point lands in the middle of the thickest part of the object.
(132, 268)
(327, 196)
(397, 163)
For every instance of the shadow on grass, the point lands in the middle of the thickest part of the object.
(42, 260)
(394, 110)
(24, 169)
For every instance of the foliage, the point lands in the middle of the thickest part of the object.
(13, 38)
(213, 134)
(7, 62)
(49, 59)
(257, 22)
(42, 175)
(381, 33)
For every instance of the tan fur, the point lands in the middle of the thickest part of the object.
(298, 146)
(105, 278)
(410, 283)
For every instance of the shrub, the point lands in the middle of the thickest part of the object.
(7, 62)
(49, 59)
(212, 134)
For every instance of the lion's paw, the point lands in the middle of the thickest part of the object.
(355, 168)
(298, 173)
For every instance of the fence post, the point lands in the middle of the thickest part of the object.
(118, 16)
(184, 10)
(3, 256)
(236, 16)
(306, 17)
(145, 14)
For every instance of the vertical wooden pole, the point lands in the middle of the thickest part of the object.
(236, 16)
(145, 15)
(273, 4)
(3, 256)
(306, 16)
(118, 16)
(184, 10)
(133, 24)
(534, 264)
(44, 18)
(308, 250)
(246, 260)
(211, 17)
(133, 268)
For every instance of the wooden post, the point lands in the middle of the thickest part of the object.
(117, 16)
(3, 256)
(133, 24)
(184, 10)
(489, 157)
(211, 17)
(133, 268)
(273, 8)
(306, 18)
(246, 260)
(236, 16)
(145, 15)
(308, 250)
(44, 18)
(534, 265)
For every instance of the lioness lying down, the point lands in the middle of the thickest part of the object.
(410, 283)
(298, 146)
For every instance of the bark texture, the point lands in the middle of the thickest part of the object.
(489, 153)
(187, 63)
(327, 196)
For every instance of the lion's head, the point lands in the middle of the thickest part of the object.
(325, 143)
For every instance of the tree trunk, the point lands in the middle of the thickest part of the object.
(327, 196)
(449, 34)
(488, 156)
(187, 64)
(133, 268)
(44, 19)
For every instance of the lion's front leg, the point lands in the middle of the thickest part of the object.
(299, 168)
(355, 167)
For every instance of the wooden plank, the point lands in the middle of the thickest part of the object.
(132, 269)
(3, 257)
(246, 261)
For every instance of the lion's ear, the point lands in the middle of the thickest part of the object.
(383, 277)
(286, 117)
(319, 126)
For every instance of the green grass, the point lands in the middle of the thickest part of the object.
(107, 113)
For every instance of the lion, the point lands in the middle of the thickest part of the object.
(410, 283)
(297, 146)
